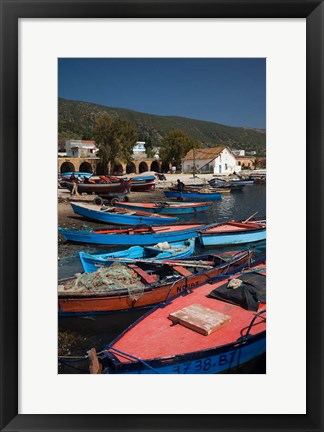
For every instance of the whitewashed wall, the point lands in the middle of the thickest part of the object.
(225, 163)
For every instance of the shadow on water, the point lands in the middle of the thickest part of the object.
(78, 334)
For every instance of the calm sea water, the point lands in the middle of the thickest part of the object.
(77, 335)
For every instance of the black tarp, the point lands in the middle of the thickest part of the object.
(248, 295)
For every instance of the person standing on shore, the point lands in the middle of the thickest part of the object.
(75, 186)
(180, 186)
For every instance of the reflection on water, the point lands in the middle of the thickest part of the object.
(78, 335)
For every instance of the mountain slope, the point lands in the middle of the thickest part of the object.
(76, 120)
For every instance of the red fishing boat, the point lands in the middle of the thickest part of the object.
(160, 281)
(212, 329)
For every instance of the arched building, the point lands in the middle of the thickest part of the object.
(137, 166)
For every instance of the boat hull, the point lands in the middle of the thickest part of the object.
(232, 238)
(90, 263)
(121, 219)
(129, 239)
(211, 361)
(194, 196)
(169, 210)
(77, 174)
(242, 182)
(142, 185)
(101, 188)
(89, 305)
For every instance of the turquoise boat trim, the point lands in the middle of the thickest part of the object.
(168, 210)
(232, 238)
(194, 195)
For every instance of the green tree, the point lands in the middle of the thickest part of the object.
(148, 146)
(115, 139)
(176, 145)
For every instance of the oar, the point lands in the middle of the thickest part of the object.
(202, 264)
(246, 220)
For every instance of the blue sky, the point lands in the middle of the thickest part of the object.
(227, 91)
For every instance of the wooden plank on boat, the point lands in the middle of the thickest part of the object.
(200, 319)
(94, 366)
(181, 270)
(147, 278)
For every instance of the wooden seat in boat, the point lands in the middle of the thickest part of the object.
(145, 276)
(183, 271)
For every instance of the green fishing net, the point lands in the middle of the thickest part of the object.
(115, 278)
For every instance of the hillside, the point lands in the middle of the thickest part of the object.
(76, 120)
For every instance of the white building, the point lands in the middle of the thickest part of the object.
(218, 160)
(156, 152)
(139, 147)
(81, 148)
(239, 152)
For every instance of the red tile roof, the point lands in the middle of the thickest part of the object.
(204, 153)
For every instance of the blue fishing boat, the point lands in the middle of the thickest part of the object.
(133, 236)
(161, 251)
(209, 329)
(119, 216)
(76, 174)
(169, 208)
(232, 232)
(201, 196)
(143, 178)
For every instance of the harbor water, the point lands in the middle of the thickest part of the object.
(77, 335)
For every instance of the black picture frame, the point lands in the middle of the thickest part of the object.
(11, 11)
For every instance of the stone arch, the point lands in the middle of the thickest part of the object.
(85, 167)
(101, 169)
(130, 168)
(143, 167)
(118, 168)
(67, 167)
(155, 166)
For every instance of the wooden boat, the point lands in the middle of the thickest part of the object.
(141, 178)
(221, 184)
(242, 182)
(168, 207)
(158, 252)
(101, 188)
(142, 186)
(133, 236)
(193, 334)
(138, 184)
(76, 174)
(193, 195)
(121, 216)
(232, 232)
(208, 189)
(161, 282)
